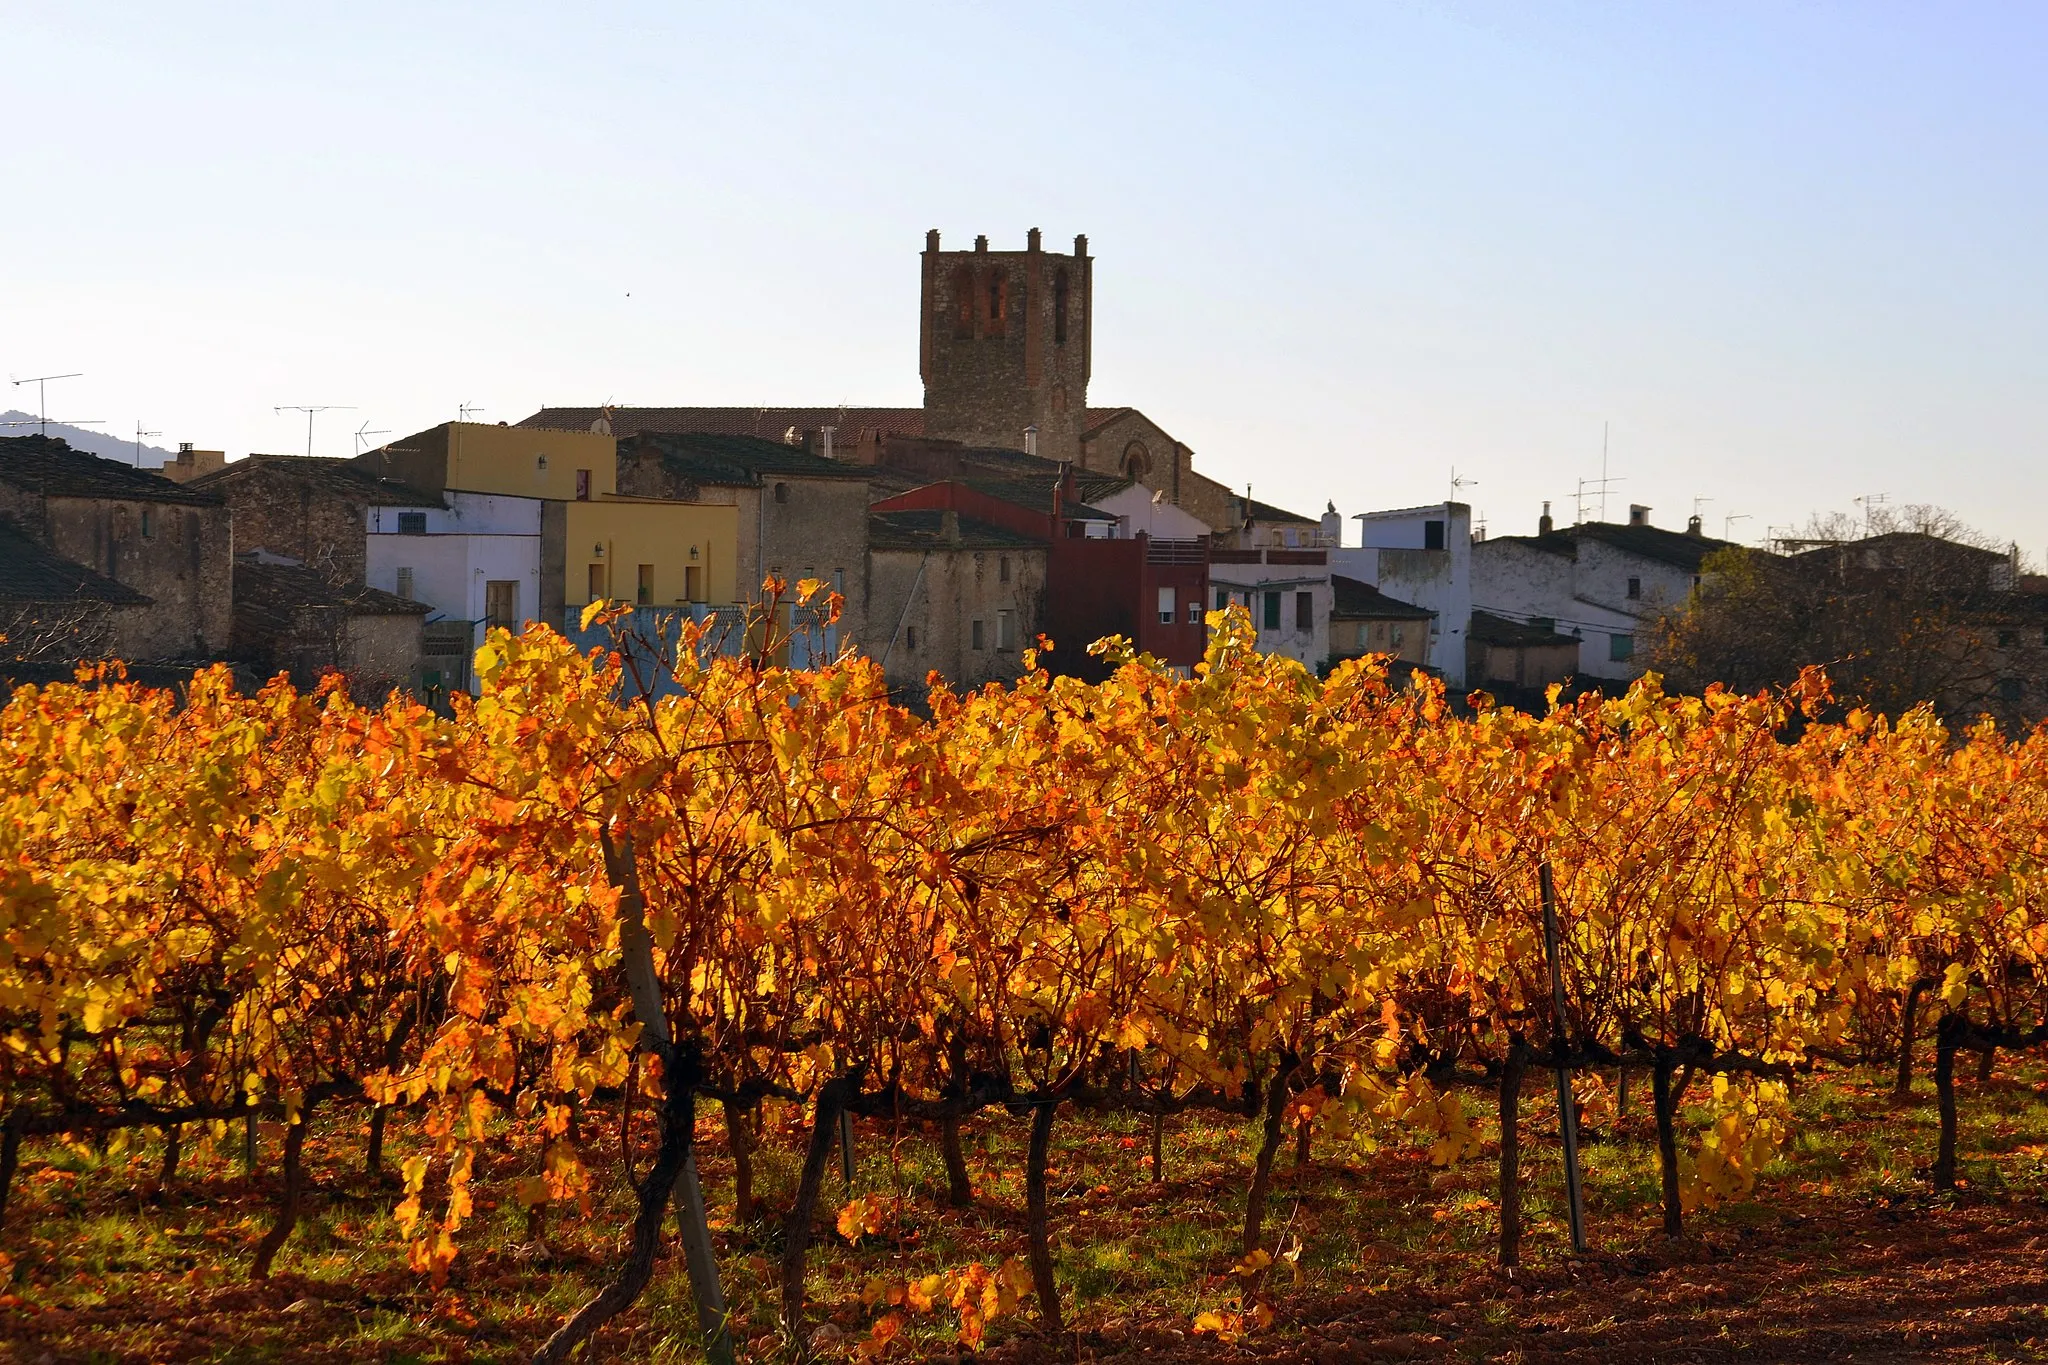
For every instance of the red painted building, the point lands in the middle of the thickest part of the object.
(1097, 584)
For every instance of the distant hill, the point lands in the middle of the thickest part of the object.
(104, 444)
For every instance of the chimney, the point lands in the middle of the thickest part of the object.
(1638, 515)
(931, 240)
(1031, 439)
(981, 243)
(1544, 524)
(1032, 239)
(949, 526)
(1692, 525)
(1081, 244)
(825, 437)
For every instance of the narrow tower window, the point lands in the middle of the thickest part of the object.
(998, 304)
(1059, 307)
(963, 299)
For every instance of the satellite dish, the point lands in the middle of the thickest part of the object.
(601, 427)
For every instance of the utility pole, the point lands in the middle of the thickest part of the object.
(139, 434)
(42, 403)
(309, 411)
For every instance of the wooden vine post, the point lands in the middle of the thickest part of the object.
(1567, 1110)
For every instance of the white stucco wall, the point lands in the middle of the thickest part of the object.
(1246, 585)
(1161, 520)
(479, 538)
(1584, 596)
(1393, 559)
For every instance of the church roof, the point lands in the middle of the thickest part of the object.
(770, 424)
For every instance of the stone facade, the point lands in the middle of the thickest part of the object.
(172, 544)
(1124, 441)
(1004, 339)
(308, 508)
(953, 595)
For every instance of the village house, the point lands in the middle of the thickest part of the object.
(1364, 620)
(1597, 582)
(951, 594)
(1422, 556)
(168, 544)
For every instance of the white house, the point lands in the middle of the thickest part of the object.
(475, 561)
(1140, 511)
(1422, 556)
(1280, 573)
(1597, 581)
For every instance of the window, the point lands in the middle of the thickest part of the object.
(1006, 630)
(646, 593)
(597, 582)
(963, 294)
(1432, 535)
(1620, 648)
(2009, 690)
(1059, 307)
(693, 583)
(1002, 568)
(1222, 599)
(1635, 589)
(782, 492)
(540, 463)
(1195, 612)
(583, 485)
(1290, 537)
(501, 603)
(405, 584)
(910, 637)
(148, 524)
(1398, 634)
(1137, 461)
(1543, 622)
(1304, 611)
(1272, 611)
(975, 632)
(412, 523)
(998, 303)
(1166, 606)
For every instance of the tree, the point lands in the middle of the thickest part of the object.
(1904, 608)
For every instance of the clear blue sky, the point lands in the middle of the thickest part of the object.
(1793, 252)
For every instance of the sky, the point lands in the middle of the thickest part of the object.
(1782, 255)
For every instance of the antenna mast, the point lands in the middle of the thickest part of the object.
(42, 404)
(309, 410)
(363, 435)
(139, 434)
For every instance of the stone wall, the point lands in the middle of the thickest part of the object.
(923, 604)
(180, 555)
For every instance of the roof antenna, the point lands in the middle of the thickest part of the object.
(1728, 523)
(463, 410)
(363, 435)
(42, 405)
(309, 411)
(1458, 483)
(139, 434)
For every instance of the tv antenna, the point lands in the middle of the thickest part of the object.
(1728, 523)
(42, 406)
(139, 434)
(309, 410)
(1868, 501)
(463, 410)
(363, 435)
(1458, 482)
(1579, 501)
(60, 421)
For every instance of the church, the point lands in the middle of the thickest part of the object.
(1005, 341)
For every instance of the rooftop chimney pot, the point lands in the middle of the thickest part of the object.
(1638, 515)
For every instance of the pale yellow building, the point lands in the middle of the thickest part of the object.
(591, 542)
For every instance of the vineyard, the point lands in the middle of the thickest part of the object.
(528, 946)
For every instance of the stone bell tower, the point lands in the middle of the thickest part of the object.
(1003, 345)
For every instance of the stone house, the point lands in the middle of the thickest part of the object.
(55, 611)
(169, 543)
(1517, 661)
(951, 594)
(1364, 620)
(800, 515)
(294, 619)
(309, 509)
(1597, 582)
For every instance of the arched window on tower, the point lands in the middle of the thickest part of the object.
(1059, 307)
(1137, 462)
(998, 304)
(963, 302)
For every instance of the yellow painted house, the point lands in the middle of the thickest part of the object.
(593, 543)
